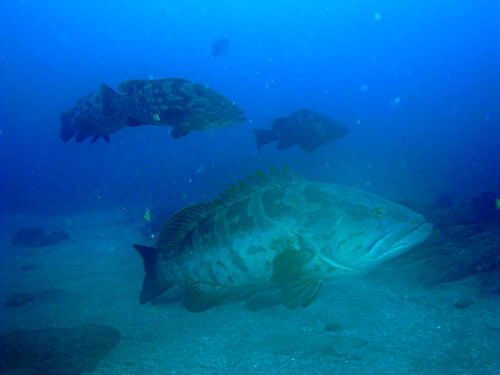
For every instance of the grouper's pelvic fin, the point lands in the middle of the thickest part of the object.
(152, 285)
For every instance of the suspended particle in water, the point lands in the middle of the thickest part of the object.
(363, 87)
(395, 102)
(377, 16)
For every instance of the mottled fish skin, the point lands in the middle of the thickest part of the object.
(303, 128)
(88, 119)
(182, 104)
(343, 230)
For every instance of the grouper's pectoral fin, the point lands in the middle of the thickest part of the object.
(300, 293)
(179, 131)
(153, 285)
(293, 272)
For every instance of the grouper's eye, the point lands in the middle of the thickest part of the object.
(378, 212)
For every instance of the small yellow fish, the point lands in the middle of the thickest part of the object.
(147, 215)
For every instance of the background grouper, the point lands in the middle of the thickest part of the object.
(276, 230)
(184, 105)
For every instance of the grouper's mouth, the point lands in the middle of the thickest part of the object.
(399, 240)
(386, 246)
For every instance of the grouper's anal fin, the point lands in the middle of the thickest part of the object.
(200, 296)
(152, 285)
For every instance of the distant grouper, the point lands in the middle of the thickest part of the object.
(220, 47)
(277, 231)
(304, 128)
(182, 104)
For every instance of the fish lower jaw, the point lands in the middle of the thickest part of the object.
(335, 264)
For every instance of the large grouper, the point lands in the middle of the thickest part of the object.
(179, 103)
(276, 231)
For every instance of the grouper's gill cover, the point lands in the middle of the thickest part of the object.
(277, 230)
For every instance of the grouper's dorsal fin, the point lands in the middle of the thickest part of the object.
(184, 222)
(179, 226)
(257, 183)
(130, 85)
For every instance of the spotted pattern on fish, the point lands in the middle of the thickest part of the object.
(253, 250)
(237, 260)
(235, 241)
(180, 103)
(222, 265)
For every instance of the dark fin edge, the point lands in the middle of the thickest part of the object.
(152, 285)
(67, 131)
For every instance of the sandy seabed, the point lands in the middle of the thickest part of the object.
(369, 325)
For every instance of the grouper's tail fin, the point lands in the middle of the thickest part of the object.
(153, 284)
(264, 136)
(67, 130)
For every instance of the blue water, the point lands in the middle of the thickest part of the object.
(417, 82)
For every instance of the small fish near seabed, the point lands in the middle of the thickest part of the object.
(182, 104)
(276, 231)
(304, 128)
